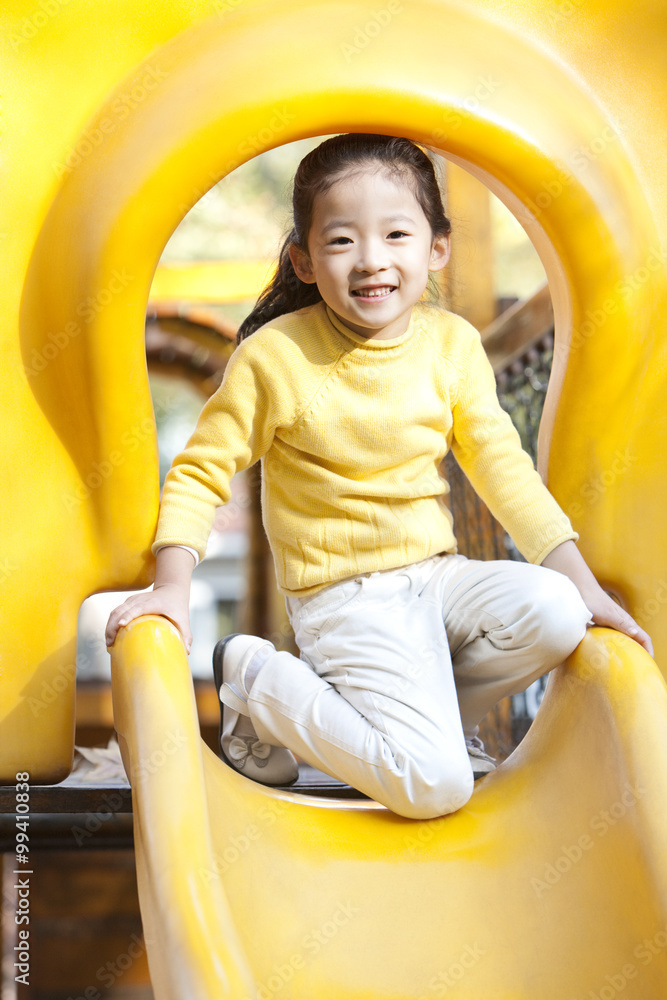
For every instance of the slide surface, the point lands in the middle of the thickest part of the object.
(551, 882)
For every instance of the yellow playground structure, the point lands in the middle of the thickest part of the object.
(551, 884)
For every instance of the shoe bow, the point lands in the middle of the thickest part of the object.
(242, 747)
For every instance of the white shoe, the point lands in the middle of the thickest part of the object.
(239, 743)
(481, 762)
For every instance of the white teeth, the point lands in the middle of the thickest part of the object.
(374, 293)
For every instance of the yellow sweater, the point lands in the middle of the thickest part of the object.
(351, 434)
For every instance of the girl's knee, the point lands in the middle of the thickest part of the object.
(563, 615)
(427, 796)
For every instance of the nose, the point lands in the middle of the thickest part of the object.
(372, 256)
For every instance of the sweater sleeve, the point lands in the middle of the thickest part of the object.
(488, 449)
(234, 430)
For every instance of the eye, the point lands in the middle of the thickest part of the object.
(339, 241)
(397, 233)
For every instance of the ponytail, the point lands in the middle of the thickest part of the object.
(286, 293)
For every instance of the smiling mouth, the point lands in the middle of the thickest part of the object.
(376, 292)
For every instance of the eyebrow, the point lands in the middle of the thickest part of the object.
(344, 223)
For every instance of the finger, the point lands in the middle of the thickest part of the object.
(640, 636)
(117, 613)
(183, 629)
(117, 619)
(187, 636)
(625, 623)
(113, 629)
(631, 628)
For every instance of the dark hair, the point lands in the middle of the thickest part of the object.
(316, 173)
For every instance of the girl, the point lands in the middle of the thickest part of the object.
(351, 389)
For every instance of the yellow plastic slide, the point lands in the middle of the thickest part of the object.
(551, 882)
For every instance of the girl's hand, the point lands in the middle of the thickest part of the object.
(605, 611)
(170, 596)
(169, 600)
(566, 558)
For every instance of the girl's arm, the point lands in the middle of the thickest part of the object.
(169, 597)
(489, 450)
(234, 430)
(566, 558)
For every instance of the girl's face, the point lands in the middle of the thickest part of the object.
(370, 250)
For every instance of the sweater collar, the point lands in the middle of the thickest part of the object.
(371, 344)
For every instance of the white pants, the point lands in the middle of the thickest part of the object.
(398, 667)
